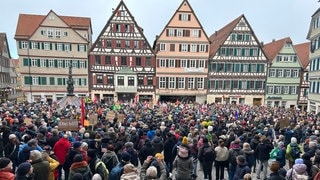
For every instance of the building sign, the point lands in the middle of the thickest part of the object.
(274, 97)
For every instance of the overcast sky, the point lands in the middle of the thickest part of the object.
(270, 19)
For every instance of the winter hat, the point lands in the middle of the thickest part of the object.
(12, 136)
(129, 168)
(185, 140)
(76, 144)
(274, 167)
(298, 161)
(78, 158)
(159, 156)
(126, 157)
(4, 162)
(24, 168)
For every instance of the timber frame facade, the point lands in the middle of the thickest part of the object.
(121, 61)
(237, 65)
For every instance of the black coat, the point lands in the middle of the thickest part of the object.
(276, 176)
(263, 151)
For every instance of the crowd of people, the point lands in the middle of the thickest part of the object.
(168, 141)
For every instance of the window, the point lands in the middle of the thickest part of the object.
(286, 90)
(184, 17)
(110, 80)
(107, 60)
(130, 81)
(150, 81)
(82, 48)
(278, 90)
(58, 33)
(193, 48)
(293, 90)
(280, 73)
(46, 46)
(123, 60)
(171, 32)
(179, 32)
(172, 82)
(272, 73)
(34, 62)
(136, 44)
(138, 61)
(184, 47)
(109, 43)
(162, 82)
(127, 43)
(140, 81)
(270, 90)
(118, 43)
(162, 63)
(51, 63)
(200, 83)
(42, 63)
(97, 60)
(67, 63)
(59, 46)
(295, 73)
(201, 63)
(60, 63)
(183, 63)
(148, 62)
(120, 81)
(82, 64)
(244, 84)
(202, 48)
(195, 33)
(118, 27)
(127, 28)
(181, 83)
(229, 67)
(34, 45)
(171, 63)
(192, 63)
(24, 45)
(50, 33)
(162, 46)
(74, 64)
(100, 79)
(259, 84)
(190, 83)
(67, 47)
(35, 80)
(288, 73)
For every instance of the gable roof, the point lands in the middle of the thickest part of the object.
(220, 36)
(184, 1)
(302, 51)
(29, 23)
(273, 48)
(3, 39)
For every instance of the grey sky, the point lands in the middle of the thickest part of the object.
(270, 19)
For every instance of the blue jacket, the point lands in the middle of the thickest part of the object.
(281, 157)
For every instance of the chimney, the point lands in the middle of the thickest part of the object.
(273, 40)
(262, 43)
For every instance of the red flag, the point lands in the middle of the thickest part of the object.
(82, 112)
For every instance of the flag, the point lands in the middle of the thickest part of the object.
(82, 112)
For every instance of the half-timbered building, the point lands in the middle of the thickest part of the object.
(122, 62)
(182, 57)
(237, 65)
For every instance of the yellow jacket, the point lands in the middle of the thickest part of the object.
(53, 166)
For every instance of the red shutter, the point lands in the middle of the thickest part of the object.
(189, 17)
(175, 32)
(113, 63)
(198, 48)
(186, 83)
(157, 82)
(167, 30)
(199, 33)
(179, 17)
(118, 13)
(188, 33)
(188, 47)
(133, 62)
(104, 79)
(94, 79)
(145, 82)
(206, 48)
(179, 47)
(167, 62)
(178, 63)
(158, 62)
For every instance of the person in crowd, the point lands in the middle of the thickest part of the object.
(248, 153)
(316, 166)
(274, 168)
(130, 172)
(221, 160)
(6, 169)
(24, 154)
(281, 154)
(41, 168)
(293, 151)
(53, 162)
(96, 165)
(128, 147)
(145, 151)
(11, 150)
(109, 158)
(61, 149)
(117, 171)
(183, 164)
(79, 165)
(24, 172)
(149, 171)
(206, 158)
(242, 168)
(263, 150)
(168, 149)
(234, 151)
(194, 151)
(298, 170)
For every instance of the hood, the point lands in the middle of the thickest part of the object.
(76, 165)
(28, 148)
(300, 168)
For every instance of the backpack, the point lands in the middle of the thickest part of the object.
(209, 154)
(87, 175)
(295, 151)
(233, 157)
(108, 161)
(116, 172)
(105, 175)
(317, 176)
